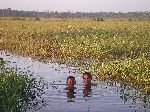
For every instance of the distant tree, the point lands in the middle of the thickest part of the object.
(99, 19)
(37, 19)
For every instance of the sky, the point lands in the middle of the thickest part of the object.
(77, 5)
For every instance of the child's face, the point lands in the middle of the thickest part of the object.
(70, 82)
(87, 79)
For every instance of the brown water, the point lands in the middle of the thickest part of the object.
(105, 97)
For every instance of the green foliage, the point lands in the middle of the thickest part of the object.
(19, 91)
(133, 71)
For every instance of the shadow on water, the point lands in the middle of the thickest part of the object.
(106, 96)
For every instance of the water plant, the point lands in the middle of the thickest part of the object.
(19, 91)
(132, 71)
(87, 44)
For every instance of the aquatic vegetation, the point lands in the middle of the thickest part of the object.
(132, 71)
(19, 91)
(111, 45)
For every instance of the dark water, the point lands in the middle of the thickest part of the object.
(101, 98)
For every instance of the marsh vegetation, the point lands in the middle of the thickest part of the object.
(113, 49)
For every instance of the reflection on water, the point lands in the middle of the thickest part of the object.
(71, 95)
(105, 97)
(129, 94)
(87, 91)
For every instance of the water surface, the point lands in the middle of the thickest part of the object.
(101, 98)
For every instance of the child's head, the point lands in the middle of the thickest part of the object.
(71, 81)
(87, 77)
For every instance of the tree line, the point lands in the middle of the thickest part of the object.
(55, 14)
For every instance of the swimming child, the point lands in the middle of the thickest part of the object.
(70, 88)
(71, 82)
(87, 78)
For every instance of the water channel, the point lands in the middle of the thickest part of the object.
(101, 98)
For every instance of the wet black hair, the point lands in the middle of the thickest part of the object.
(87, 73)
(71, 77)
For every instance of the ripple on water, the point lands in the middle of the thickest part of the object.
(100, 98)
